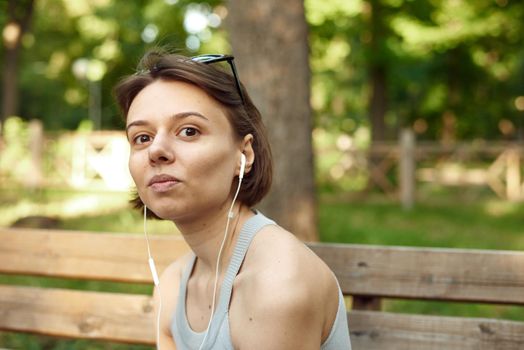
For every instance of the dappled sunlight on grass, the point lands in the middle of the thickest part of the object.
(61, 206)
(83, 211)
(500, 208)
(124, 220)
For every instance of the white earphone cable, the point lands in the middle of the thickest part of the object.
(230, 215)
(155, 280)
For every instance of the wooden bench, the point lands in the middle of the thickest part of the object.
(367, 273)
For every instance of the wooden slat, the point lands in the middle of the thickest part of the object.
(84, 255)
(394, 272)
(77, 314)
(427, 273)
(129, 318)
(372, 330)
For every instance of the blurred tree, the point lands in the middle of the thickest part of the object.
(17, 23)
(80, 48)
(451, 68)
(270, 40)
(469, 52)
(81, 56)
(378, 66)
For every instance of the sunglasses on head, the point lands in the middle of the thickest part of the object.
(213, 58)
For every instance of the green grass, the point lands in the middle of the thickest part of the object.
(103, 286)
(507, 312)
(486, 224)
(469, 218)
(77, 210)
(37, 342)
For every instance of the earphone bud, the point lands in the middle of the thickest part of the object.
(242, 166)
(243, 161)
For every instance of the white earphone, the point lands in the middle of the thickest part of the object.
(242, 166)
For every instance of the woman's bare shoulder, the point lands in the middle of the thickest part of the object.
(173, 271)
(283, 285)
(277, 258)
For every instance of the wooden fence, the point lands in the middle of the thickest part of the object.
(79, 160)
(99, 160)
(397, 167)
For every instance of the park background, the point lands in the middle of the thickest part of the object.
(338, 83)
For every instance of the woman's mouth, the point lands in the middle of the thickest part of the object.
(162, 183)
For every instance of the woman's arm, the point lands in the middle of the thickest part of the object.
(283, 320)
(162, 329)
(167, 292)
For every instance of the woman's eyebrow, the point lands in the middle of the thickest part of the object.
(181, 115)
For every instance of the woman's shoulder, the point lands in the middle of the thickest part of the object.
(284, 285)
(278, 259)
(173, 272)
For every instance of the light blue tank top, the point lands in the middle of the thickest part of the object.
(219, 337)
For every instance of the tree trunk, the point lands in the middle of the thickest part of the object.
(19, 18)
(270, 41)
(377, 75)
(378, 103)
(377, 70)
(10, 83)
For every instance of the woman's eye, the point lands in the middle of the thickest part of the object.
(141, 139)
(188, 132)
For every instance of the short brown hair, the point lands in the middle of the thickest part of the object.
(243, 116)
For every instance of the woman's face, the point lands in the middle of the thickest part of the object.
(184, 155)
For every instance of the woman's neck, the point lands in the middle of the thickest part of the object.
(205, 236)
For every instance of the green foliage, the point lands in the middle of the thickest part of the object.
(462, 59)
(337, 169)
(108, 36)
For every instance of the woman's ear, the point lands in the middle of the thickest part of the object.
(247, 149)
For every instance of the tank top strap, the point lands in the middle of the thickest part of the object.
(248, 231)
(185, 275)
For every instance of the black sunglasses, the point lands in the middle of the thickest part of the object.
(213, 58)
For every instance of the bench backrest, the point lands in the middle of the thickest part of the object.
(367, 273)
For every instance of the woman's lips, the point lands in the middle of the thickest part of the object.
(163, 182)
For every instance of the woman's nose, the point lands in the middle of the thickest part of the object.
(160, 150)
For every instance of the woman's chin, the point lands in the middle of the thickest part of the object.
(163, 215)
(166, 214)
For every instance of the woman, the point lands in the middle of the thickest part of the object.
(248, 283)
